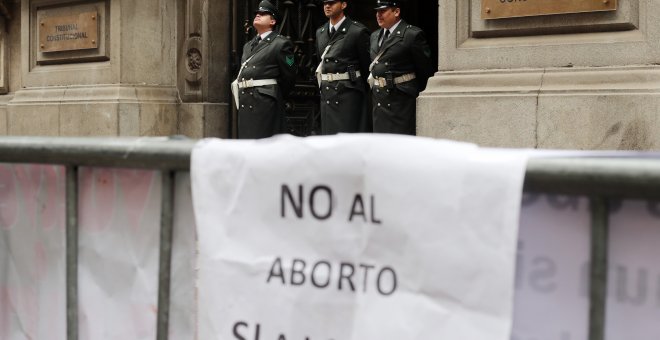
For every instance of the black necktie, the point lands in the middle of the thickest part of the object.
(385, 36)
(332, 31)
(255, 42)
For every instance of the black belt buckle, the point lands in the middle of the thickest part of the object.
(352, 73)
(389, 80)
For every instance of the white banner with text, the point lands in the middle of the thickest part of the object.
(355, 238)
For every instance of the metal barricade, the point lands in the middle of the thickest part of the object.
(167, 155)
(599, 178)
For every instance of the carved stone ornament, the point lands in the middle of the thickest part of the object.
(193, 59)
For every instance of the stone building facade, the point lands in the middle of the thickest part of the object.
(156, 67)
(586, 80)
(152, 69)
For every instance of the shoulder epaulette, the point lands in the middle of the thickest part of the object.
(359, 24)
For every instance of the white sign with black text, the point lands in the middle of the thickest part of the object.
(355, 238)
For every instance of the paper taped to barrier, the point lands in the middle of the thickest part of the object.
(32, 252)
(355, 238)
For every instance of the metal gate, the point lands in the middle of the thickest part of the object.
(299, 20)
(602, 179)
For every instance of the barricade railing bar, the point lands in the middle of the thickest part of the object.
(599, 178)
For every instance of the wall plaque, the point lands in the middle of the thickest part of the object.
(497, 9)
(69, 33)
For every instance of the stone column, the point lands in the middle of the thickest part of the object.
(10, 66)
(579, 81)
(123, 86)
(204, 68)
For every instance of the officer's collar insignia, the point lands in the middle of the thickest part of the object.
(290, 60)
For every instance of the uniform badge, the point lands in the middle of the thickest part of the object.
(290, 60)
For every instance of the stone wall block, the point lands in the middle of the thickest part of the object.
(3, 121)
(199, 120)
(158, 119)
(88, 120)
(34, 120)
(504, 121)
(605, 108)
(600, 122)
(567, 81)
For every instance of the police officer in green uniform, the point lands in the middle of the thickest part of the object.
(266, 76)
(400, 68)
(343, 47)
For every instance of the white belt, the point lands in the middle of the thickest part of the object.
(330, 77)
(382, 82)
(236, 85)
(243, 84)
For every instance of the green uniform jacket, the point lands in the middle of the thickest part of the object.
(261, 111)
(406, 51)
(344, 102)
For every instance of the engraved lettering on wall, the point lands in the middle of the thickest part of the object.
(69, 33)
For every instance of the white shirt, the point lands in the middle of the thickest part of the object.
(392, 29)
(336, 26)
(264, 35)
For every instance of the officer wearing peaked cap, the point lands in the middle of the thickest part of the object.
(266, 76)
(267, 7)
(400, 67)
(343, 47)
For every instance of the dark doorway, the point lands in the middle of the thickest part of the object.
(300, 19)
